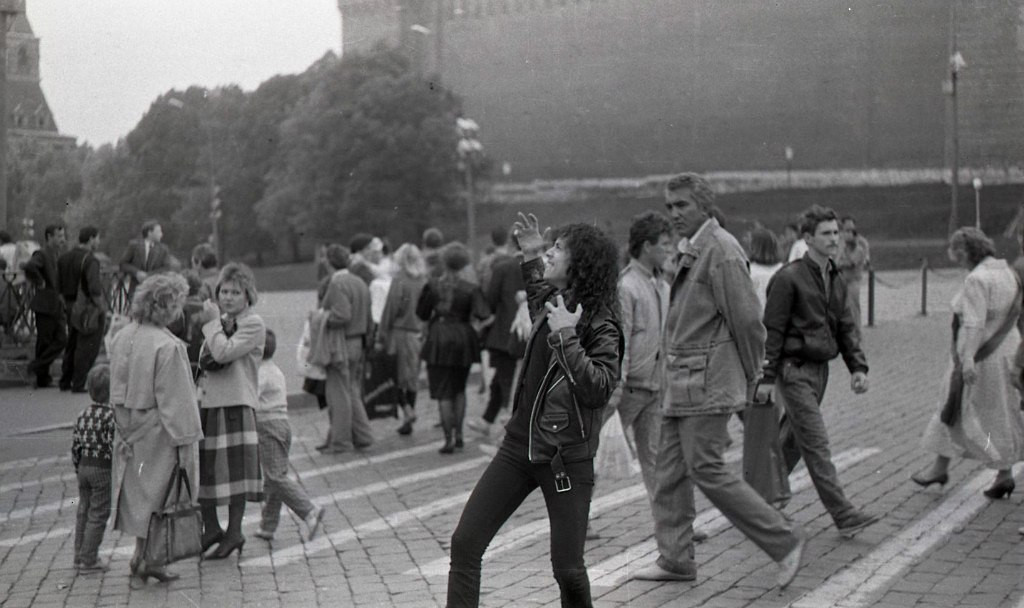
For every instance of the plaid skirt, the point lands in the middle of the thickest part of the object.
(229, 457)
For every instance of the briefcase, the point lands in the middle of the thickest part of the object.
(380, 395)
(764, 466)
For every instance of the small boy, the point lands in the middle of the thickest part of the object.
(275, 435)
(91, 451)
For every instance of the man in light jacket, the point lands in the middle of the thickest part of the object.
(715, 347)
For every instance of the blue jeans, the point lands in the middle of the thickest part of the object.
(800, 388)
(93, 511)
(275, 441)
(639, 409)
(508, 480)
(692, 453)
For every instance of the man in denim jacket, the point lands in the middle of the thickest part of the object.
(714, 347)
(810, 320)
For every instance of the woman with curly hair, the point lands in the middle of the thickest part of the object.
(229, 463)
(155, 409)
(569, 372)
(980, 418)
(448, 304)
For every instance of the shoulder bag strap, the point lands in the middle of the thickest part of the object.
(1009, 322)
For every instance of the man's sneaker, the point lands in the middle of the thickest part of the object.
(314, 520)
(264, 534)
(479, 425)
(655, 572)
(789, 565)
(854, 523)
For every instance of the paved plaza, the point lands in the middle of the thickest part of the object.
(392, 509)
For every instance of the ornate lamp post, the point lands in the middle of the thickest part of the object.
(470, 152)
(9, 11)
(977, 202)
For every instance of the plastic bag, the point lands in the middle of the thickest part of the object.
(615, 458)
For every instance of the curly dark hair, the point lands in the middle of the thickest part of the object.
(593, 267)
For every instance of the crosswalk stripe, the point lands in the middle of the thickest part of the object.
(530, 531)
(331, 541)
(856, 584)
(615, 570)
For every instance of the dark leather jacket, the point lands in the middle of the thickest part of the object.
(806, 323)
(566, 412)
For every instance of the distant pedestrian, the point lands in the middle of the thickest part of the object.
(798, 247)
(92, 454)
(154, 401)
(810, 321)
(714, 342)
(275, 439)
(853, 260)
(204, 264)
(980, 416)
(764, 261)
(229, 466)
(47, 304)
(569, 372)
(448, 305)
(145, 256)
(401, 331)
(433, 241)
(79, 271)
(367, 252)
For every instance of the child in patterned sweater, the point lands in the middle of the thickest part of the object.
(91, 452)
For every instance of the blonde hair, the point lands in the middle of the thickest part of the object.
(242, 275)
(158, 299)
(409, 260)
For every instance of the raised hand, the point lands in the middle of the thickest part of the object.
(526, 231)
(559, 317)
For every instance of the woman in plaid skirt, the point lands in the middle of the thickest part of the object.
(229, 467)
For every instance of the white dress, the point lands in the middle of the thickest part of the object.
(991, 425)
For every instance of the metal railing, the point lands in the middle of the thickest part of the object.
(18, 322)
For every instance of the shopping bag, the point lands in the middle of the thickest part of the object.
(615, 458)
(175, 532)
(764, 467)
(380, 394)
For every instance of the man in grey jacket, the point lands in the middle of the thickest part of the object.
(715, 347)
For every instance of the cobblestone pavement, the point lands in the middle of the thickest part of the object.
(391, 511)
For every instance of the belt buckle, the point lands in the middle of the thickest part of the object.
(562, 483)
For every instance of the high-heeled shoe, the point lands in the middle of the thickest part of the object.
(227, 547)
(448, 447)
(143, 572)
(209, 541)
(924, 482)
(406, 428)
(1002, 488)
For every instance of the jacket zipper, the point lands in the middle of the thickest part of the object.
(533, 411)
(568, 373)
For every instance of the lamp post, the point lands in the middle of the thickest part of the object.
(469, 152)
(789, 166)
(977, 202)
(9, 11)
(956, 63)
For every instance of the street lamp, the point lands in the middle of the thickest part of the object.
(789, 166)
(9, 11)
(470, 152)
(977, 202)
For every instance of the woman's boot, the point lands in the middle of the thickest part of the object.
(447, 416)
(459, 415)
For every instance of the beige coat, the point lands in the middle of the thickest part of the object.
(155, 409)
(238, 383)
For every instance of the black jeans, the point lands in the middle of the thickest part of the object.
(508, 480)
(504, 366)
(50, 339)
(80, 353)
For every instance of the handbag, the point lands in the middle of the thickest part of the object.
(206, 361)
(764, 467)
(175, 532)
(85, 316)
(950, 413)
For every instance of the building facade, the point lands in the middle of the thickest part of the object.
(28, 115)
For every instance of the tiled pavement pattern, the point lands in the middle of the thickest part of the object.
(392, 509)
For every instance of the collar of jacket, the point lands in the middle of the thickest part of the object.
(694, 247)
(832, 269)
(634, 264)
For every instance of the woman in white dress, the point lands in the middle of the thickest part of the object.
(987, 425)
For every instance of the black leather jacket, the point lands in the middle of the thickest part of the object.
(566, 412)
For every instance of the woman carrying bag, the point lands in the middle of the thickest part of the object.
(154, 402)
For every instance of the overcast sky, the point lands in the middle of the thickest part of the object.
(104, 61)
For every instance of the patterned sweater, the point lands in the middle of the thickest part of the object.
(93, 437)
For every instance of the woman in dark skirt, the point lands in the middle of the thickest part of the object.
(229, 466)
(449, 303)
(400, 332)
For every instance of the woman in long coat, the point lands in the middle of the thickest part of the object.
(400, 332)
(987, 425)
(229, 464)
(155, 410)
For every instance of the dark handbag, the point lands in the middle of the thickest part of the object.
(206, 361)
(175, 532)
(380, 395)
(85, 316)
(764, 467)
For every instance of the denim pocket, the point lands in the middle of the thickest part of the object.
(688, 378)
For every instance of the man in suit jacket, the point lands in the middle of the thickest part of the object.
(41, 270)
(146, 255)
(79, 267)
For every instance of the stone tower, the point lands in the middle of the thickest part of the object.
(28, 114)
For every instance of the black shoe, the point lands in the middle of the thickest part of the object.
(406, 428)
(924, 482)
(226, 548)
(448, 447)
(211, 540)
(161, 574)
(44, 382)
(855, 523)
(78, 391)
(1001, 489)
(64, 388)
